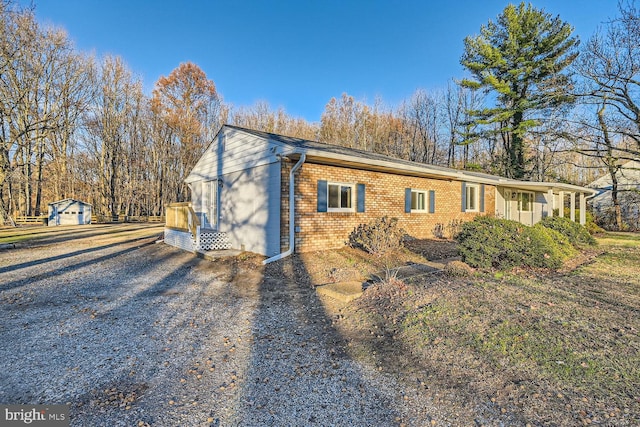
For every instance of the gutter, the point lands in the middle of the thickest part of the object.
(429, 171)
(592, 196)
(292, 213)
(397, 167)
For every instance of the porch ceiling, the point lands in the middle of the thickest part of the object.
(546, 186)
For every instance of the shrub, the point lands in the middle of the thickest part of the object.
(451, 230)
(438, 231)
(489, 242)
(457, 269)
(498, 243)
(576, 233)
(593, 227)
(378, 237)
(454, 227)
(591, 224)
(390, 278)
(547, 248)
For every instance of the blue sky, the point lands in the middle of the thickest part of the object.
(297, 54)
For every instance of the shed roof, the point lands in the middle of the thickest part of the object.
(68, 200)
(321, 152)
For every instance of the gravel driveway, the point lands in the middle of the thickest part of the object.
(130, 332)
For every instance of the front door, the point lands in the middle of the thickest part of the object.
(210, 204)
(508, 204)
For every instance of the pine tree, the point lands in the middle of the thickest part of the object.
(520, 58)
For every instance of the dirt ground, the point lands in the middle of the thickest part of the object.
(130, 332)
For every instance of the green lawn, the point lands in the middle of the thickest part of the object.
(30, 235)
(547, 348)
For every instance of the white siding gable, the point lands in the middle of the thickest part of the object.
(234, 151)
(628, 177)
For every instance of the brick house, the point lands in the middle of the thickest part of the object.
(241, 195)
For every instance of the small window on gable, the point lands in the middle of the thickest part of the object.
(222, 140)
(418, 201)
(340, 197)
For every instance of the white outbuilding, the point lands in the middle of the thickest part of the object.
(69, 212)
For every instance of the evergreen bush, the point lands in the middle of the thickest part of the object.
(489, 242)
(548, 248)
(577, 234)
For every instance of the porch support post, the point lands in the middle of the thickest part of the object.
(583, 209)
(561, 204)
(550, 203)
(573, 206)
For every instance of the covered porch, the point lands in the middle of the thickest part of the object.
(184, 230)
(530, 202)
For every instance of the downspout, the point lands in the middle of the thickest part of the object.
(586, 199)
(292, 213)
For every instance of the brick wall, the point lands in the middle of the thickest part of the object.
(384, 195)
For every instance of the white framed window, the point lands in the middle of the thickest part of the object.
(525, 201)
(472, 195)
(340, 197)
(210, 200)
(418, 201)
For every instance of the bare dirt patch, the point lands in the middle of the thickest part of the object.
(433, 249)
(348, 264)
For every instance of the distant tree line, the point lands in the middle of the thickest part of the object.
(536, 106)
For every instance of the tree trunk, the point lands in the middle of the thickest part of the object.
(39, 168)
(516, 152)
(612, 166)
(616, 202)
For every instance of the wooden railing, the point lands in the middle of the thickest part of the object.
(105, 219)
(181, 216)
(95, 219)
(29, 219)
(140, 218)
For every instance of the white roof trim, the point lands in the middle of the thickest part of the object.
(466, 176)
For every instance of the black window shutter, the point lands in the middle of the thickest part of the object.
(407, 200)
(481, 197)
(432, 201)
(360, 196)
(464, 196)
(322, 196)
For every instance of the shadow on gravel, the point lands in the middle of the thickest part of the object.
(14, 267)
(299, 372)
(39, 236)
(154, 330)
(55, 272)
